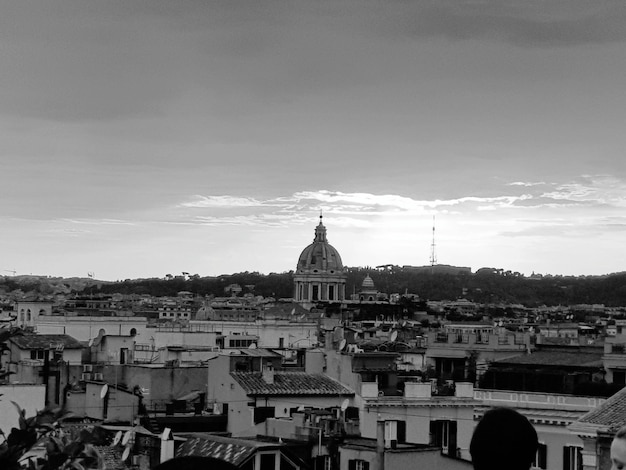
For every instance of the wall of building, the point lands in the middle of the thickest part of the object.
(270, 332)
(335, 364)
(28, 313)
(549, 413)
(109, 349)
(160, 384)
(418, 418)
(350, 453)
(122, 406)
(555, 438)
(182, 338)
(86, 328)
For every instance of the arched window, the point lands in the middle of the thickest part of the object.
(22, 316)
(133, 331)
(29, 317)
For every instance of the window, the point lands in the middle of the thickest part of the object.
(356, 464)
(541, 459)
(38, 354)
(443, 434)
(261, 413)
(572, 458)
(268, 462)
(401, 431)
(619, 377)
(323, 462)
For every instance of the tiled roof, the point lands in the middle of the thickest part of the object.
(235, 451)
(610, 414)
(560, 358)
(35, 341)
(111, 457)
(290, 383)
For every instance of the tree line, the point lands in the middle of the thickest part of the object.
(487, 286)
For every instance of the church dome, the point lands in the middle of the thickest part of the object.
(320, 256)
(368, 283)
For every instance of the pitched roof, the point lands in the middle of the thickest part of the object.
(610, 415)
(235, 451)
(290, 383)
(36, 341)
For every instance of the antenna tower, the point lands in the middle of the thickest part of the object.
(433, 254)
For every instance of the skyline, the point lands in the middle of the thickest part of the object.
(150, 137)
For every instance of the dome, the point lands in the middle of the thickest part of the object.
(368, 283)
(320, 256)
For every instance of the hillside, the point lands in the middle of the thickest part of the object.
(484, 286)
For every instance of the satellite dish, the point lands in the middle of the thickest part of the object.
(293, 311)
(344, 404)
(103, 391)
(117, 439)
(126, 438)
(252, 346)
(403, 323)
(342, 344)
(90, 342)
(394, 336)
(126, 454)
(167, 432)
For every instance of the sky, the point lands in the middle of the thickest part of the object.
(140, 138)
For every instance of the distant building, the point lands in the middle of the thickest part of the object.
(368, 292)
(319, 275)
(29, 311)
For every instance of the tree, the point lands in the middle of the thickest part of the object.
(61, 451)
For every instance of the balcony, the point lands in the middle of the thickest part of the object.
(420, 390)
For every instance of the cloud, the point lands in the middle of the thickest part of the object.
(527, 184)
(596, 189)
(531, 24)
(98, 221)
(222, 201)
(394, 201)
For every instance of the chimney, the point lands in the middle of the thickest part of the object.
(167, 446)
(268, 374)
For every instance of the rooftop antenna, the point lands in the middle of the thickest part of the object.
(433, 254)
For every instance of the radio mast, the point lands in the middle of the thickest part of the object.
(433, 254)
